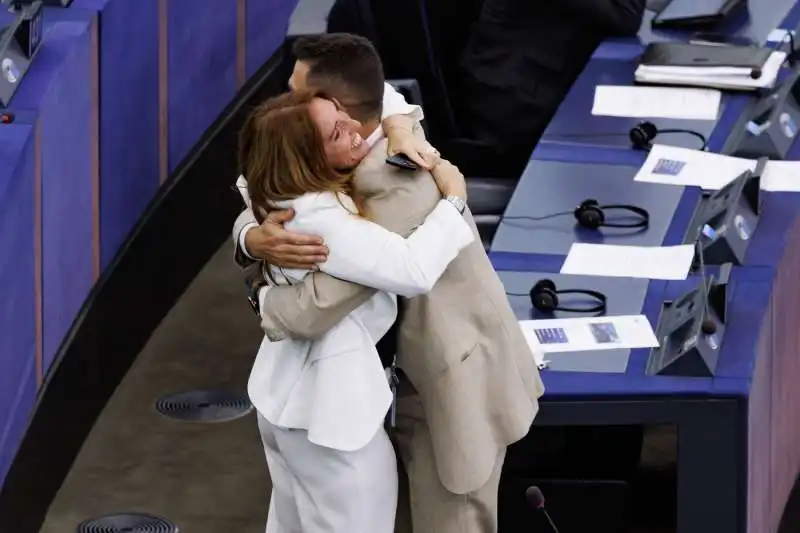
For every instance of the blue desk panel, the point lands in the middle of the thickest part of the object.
(548, 187)
(574, 122)
(17, 286)
(54, 96)
(625, 297)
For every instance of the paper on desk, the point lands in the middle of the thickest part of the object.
(644, 262)
(779, 36)
(664, 102)
(691, 168)
(781, 176)
(550, 336)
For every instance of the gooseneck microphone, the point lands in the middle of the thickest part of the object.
(641, 136)
(590, 214)
(536, 500)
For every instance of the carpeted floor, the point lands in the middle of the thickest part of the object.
(207, 478)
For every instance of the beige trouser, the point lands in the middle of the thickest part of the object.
(425, 505)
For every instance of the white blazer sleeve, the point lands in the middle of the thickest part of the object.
(395, 103)
(363, 252)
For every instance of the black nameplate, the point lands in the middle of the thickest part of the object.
(19, 42)
(725, 220)
(773, 123)
(691, 330)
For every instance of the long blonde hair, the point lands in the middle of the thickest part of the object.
(282, 154)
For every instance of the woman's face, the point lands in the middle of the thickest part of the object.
(344, 146)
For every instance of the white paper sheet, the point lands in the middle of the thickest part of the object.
(559, 335)
(643, 262)
(691, 168)
(716, 77)
(781, 176)
(779, 36)
(648, 102)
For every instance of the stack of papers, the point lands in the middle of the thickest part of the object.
(694, 168)
(656, 102)
(732, 78)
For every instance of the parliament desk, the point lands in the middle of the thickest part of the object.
(739, 441)
(739, 436)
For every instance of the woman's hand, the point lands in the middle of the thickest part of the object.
(403, 141)
(449, 179)
(283, 248)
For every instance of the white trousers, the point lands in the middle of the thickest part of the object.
(322, 490)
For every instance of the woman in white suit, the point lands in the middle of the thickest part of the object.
(322, 404)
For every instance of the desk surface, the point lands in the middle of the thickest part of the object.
(575, 124)
(539, 251)
(549, 187)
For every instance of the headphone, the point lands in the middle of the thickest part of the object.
(545, 299)
(591, 215)
(642, 135)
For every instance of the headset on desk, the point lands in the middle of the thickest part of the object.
(591, 215)
(641, 136)
(545, 294)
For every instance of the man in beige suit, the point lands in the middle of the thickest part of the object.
(468, 382)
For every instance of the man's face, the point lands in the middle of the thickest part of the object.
(344, 146)
(299, 79)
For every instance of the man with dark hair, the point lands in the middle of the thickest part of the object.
(467, 383)
(346, 67)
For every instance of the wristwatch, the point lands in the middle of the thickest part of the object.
(457, 202)
(254, 286)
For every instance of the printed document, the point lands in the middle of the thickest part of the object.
(660, 102)
(643, 262)
(691, 168)
(550, 336)
(672, 165)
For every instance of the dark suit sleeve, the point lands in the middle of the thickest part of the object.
(615, 17)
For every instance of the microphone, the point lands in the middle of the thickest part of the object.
(708, 326)
(536, 500)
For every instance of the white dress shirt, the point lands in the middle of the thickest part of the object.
(394, 103)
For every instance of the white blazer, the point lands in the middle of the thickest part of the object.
(335, 387)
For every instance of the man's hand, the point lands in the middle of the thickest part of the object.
(420, 151)
(449, 179)
(283, 248)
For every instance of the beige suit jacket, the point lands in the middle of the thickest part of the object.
(460, 345)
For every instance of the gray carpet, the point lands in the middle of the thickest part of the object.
(207, 478)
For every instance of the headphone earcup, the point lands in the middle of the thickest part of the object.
(642, 135)
(590, 216)
(544, 297)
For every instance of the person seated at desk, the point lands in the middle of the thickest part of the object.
(522, 58)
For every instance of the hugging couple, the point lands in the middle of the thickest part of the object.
(386, 327)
